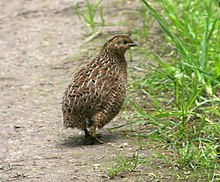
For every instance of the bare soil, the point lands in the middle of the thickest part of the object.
(38, 40)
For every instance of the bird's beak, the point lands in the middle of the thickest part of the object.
(133, 44)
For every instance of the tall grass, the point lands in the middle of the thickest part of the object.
(184, 88)
(90, 13)
(179, 96)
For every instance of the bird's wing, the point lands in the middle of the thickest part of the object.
(91, 85)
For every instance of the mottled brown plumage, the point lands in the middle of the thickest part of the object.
(96, 93)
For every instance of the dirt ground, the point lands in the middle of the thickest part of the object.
(37, 40)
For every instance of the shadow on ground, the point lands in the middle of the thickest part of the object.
(79, 140)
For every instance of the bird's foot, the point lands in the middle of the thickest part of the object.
(87, 133)
(92, 140)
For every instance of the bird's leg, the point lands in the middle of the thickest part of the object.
(94, 135)
(87, 134)
(92, 139)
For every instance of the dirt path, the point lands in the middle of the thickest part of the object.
(36, 42)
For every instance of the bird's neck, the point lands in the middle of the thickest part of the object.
(114, 55)
(117, 59)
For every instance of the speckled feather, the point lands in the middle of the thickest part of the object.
(97, 91)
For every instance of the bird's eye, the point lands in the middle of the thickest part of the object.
(125, 41)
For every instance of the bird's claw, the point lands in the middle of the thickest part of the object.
(92, 140)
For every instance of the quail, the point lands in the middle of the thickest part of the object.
(97, 91)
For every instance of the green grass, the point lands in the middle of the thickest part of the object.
(90, 13)
(178, 95)
(125, 164)
(184, 88)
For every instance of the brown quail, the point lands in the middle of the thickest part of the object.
(97, 91)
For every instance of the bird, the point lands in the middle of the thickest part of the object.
(96, 93)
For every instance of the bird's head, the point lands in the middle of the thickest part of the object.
(119, 44)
